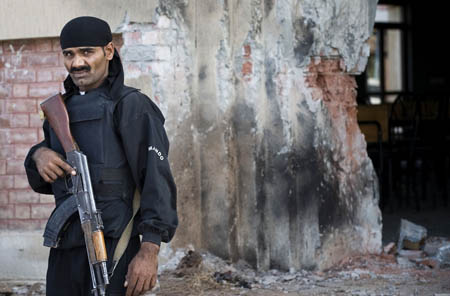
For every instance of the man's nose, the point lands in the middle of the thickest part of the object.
(78, 62)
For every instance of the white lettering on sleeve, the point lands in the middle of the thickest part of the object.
(156, 150)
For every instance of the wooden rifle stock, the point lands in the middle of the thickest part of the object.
(56, 113)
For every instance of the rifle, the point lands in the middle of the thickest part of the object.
(81, 189)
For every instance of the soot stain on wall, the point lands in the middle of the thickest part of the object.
(304, 39)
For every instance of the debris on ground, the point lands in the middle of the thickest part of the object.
(443, 256)
(411, 236)
(191, 272)
(189, 264)
(433, 243)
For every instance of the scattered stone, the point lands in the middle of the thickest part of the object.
(405, 262)
(223, 277)
(411, 235)
(443, 256)
(390, 248)
(432, 244)
(428, 262)
(411, 254)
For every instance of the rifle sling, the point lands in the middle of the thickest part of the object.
(126, 234)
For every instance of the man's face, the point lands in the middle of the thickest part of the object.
(87, 65)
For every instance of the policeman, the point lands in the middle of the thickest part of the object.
(122, 133)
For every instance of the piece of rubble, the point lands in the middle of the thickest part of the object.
(432, 245)
(411, 254)
(222, 277)
(189, 264)
(390, 248)
(443, 256)
(428, 262)
(405, 262)
(411, 235)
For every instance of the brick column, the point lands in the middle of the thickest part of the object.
(30, 71)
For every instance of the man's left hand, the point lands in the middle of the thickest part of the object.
(143, 270)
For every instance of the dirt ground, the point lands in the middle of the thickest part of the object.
(360, 275)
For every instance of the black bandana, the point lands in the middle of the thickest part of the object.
(85, 31)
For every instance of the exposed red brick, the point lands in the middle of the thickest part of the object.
(4, 197)
(14, 46)
(44, 76)
(2, 166)
(21, 151)
(43, 45)
(41, 136)
(23, 136)
(3, 224)
(21, 106)
(21, 182)
(19, 120)
(23, 196)
(247, 51)
(35, 120)
(337, 90)
(41, 211)
(132, 38)
(5, 120)
(43, 59)
(247, 68)
(5, 91)
(18, 224)
(43, 89)
(5, 150)
(5, 136)
(20, 75)
(6, 182)
(2, 105)
(46, 199)
(15, 167)
(22, 212)
(20, 90)
(17, 61)
(6, 212)
(59, 74)
(60, 60)
(56, 46)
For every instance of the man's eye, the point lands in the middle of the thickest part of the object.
(86, 52)
(67, 54)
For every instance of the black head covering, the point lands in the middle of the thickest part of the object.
(85, 31)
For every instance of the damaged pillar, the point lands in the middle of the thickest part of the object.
(261, 105)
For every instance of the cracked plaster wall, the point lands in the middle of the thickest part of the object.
(261, 112)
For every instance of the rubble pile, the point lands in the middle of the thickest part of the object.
(415, 248)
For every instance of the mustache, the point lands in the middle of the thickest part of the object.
(77, 69)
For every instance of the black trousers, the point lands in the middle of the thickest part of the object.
(68, 270)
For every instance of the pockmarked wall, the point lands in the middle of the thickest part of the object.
(260, 103)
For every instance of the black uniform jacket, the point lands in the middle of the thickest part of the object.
(122, 133)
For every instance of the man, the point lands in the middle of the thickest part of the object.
(122, 134)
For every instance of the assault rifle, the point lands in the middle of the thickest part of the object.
(81, 189)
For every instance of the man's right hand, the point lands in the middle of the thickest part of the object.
(51, 165)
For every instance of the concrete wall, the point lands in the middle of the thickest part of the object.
(260, 100)
(261, 113)
(25, 19)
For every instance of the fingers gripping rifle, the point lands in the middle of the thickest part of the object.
(91, 222)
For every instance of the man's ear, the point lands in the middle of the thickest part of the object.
(109, 51)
